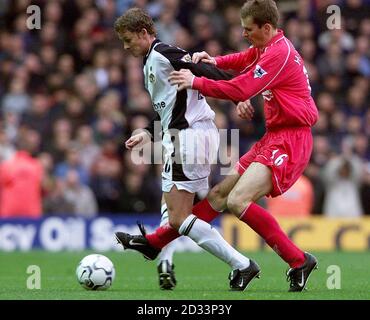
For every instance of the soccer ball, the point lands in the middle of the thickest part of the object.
(95, 272)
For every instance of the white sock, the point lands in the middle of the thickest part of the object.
(167, 251)
(209, 239)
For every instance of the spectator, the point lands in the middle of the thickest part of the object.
(105, 181)
(20, 185)
(332, 61)
(342, 176)
(354, 12)
(17, 100)
(7, 149)
(80, 196)
(136, 195)
(313, 173)
(55, 202)
(88, 148)
(167, 26)
(60, 140)
(38, 116)
(72, 161)
(339, 36)
(209, 7)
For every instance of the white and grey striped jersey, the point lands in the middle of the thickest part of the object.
(176, 109)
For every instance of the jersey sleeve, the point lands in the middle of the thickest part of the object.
(237, 61)
(207, 70)
(181, 59)
(263, 76)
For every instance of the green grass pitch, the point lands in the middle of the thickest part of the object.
(199, 275)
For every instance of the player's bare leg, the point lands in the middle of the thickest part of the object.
(218, 195)
(252, 185)
(255, 183)
(179, 205)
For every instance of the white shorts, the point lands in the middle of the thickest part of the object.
(188, 155)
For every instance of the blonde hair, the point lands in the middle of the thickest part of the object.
(134, 20)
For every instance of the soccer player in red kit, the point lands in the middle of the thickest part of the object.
(271, 67)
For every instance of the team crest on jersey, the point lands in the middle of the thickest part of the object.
(259, 72)
(186, 58)
(152, 77)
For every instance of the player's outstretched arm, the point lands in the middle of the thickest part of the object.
(269, 71)
(180, 59)
(237, 62)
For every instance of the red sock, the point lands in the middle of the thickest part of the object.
(162, 236)
(268, 228)
(165, 234)
(204, 211)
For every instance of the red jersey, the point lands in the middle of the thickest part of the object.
(277, 72)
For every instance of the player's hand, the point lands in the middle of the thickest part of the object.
(137, 140)
(245, 110)
(204, 57)
(183, 78)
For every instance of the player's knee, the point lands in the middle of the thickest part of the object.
(237, 204)
(217, 198)
(174, 222)
(233, 206)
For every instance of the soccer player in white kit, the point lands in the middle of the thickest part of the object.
(190, 140)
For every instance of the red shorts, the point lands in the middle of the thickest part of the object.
(286, 151)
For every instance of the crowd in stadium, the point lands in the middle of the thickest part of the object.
(70, 96)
